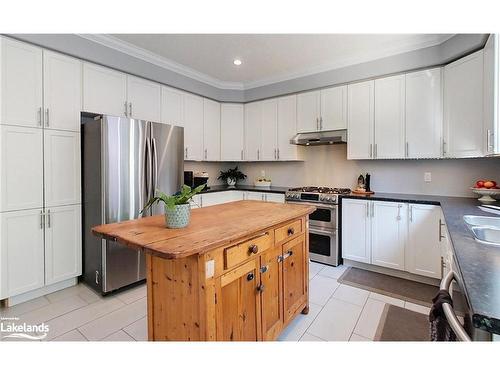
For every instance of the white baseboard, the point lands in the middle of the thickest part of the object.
(20, 298)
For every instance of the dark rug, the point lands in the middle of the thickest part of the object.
(407, 290)
(398, 324)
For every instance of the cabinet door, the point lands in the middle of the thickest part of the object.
(20, 83)
(424, 120)
(63, 243)
(238, 310)
(21, 168)
(294, 276)
(287, 127)
(490, 89)
(389, 234)
(62, 91)
(144, 99)
(193, 127)
(308, 111)
(210, 199)
(231, 128)
(423, 255)
(104, 90)
(390, 118)
(21, 252)
(334, 108)
(62, 168)
(269, 131)
(254, 196)
(253, 130)
(272, 293)
(172, 106)
(211, 130)
(275, 197)
(360, 120)
(463, 107)
(356, 230)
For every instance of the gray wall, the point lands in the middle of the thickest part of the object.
(85, 49)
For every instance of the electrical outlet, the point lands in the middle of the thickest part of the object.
(427, 177)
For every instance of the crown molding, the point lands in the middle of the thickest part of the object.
(390, 49)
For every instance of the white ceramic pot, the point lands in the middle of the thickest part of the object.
(231, 181)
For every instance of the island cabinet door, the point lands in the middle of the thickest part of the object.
(271, 286)
(294, 276)
(238, 310)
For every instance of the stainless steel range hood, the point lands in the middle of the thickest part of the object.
(321, 138)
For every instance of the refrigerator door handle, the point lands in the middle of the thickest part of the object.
(148, 170)
(155, 168)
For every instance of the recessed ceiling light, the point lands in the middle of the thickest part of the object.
(237, 62)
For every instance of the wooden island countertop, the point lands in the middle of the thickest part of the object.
(209, 227)
(238, 272)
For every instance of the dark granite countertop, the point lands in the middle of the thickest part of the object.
(272, 189)
(479, 264)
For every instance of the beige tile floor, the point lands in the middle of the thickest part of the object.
(337, 312)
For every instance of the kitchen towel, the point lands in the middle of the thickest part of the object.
(440, 329)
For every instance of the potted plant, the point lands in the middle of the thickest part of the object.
(177, 207)
(231, 176)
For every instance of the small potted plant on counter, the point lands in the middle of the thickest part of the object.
(232, 176)
(177, 207)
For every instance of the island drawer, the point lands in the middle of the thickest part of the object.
(243, 251)
(288, 230)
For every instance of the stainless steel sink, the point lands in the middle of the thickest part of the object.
(487, 235)
(482, 221)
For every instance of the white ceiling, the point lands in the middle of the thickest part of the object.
(266, 58)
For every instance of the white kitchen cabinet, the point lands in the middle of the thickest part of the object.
(490, 94)
(62, 91)
(232, 131)
(104, 90)
(287, 127)
(274, 197)
(389, 140)
(211, 130)
(389, 234)
(253, 130)
(423, 255)
(63, 243)
(356, 230)
(21, 255)
(20, 83)
(333, 114)
(62, 168)
(308, 111)
(21, 168)
(360, 120)
(424, 119)
(254, 196)
(219, 197)
(193, 127)
(463, 107)
(143, 99)
(172, 106)
(269, 149)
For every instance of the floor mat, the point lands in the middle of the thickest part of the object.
(398, 324)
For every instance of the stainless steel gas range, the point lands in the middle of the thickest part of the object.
(323, 223)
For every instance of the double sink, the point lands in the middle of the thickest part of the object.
(485, 229)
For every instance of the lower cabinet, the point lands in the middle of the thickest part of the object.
(294, 276)
(395, 235)
(219, 197)
(271, 279)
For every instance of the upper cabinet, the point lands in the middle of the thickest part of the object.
(211, 130)
(491, 96)
(20, 83)
(360, 120)
(424, 120)
(144, 99)
(333, 108)
(463, 107)
(62, 91)
(269, 149)
(193, 127)
(308, 108)
(232, 131)
(172, 106)
(104, 90)
(287, 128)
(253, 130)
(389, 141)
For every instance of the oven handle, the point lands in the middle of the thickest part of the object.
(451, 317)
(330, 207)
(321, 231)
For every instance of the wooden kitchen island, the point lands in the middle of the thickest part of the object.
(239, 271)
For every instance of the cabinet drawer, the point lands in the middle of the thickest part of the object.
(289, 230)
(243, 251)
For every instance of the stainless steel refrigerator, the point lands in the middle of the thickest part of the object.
(123, 162)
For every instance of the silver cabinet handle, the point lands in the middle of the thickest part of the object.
(371, 150)
(411, 213)
(375, 151)
(441, 225)
(444, 147)
(186, 152)
(241, 154)
(258, 154)
(451, 317)
(317, 123)
(278, 153)
(275, 157)
(206, 154)
(406, 149)
(488, 140)
(126, 112)
(373, 209)
(47, 122)
(39, 116)
(399, 212)
(48, 218)
(367, 209)
(42, 217)
(130, 108)
(320, 123)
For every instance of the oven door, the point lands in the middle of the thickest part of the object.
(323, 246)
(325, 215)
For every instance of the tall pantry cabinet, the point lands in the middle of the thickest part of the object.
(40, 200)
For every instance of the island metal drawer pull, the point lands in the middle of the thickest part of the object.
(451, 317)
(264, 269)
(260, 288)
(253, 249)
(250, 276)
(289, 253)
(290, 231)
(441, 237)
